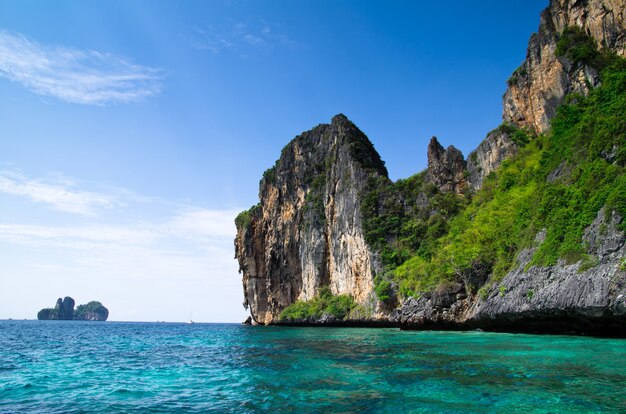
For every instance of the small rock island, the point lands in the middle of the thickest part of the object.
(64, 311)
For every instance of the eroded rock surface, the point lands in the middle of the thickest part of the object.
(540, 84)
(306, 232)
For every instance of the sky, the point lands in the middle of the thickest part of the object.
(133, 132)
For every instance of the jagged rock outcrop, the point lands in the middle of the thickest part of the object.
(64, 310)
(306, 232)
(540, 84)
(446, 167)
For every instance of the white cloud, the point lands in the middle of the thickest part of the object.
(204, 223)
(73, 75)
(203, 229)
(238, 38)
(58, 195)
(78, 237)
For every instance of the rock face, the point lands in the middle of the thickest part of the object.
(306, 232)
(581, 297)
(64, 310)
(446, 168)
(488, 156)
(540, 84)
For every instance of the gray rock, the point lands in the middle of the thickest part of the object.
(307, 231)
(489, 155)
(446, 168)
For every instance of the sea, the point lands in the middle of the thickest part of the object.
(115, 367)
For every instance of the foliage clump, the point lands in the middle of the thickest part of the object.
(325, 304)
(517, 75)
(519, 136)
(244, 218)
(383, 290)
(269, 175)
(577, 46)
(399, 232)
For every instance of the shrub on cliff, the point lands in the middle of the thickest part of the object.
(325, 304)
(577, 46)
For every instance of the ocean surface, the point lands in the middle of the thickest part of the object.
(80, 367)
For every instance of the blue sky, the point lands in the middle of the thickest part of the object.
(132, 132)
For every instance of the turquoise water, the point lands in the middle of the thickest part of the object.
(72, 367)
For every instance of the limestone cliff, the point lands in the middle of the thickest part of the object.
(306, 232)
(329, 216)
(540, 84)
(489, 155)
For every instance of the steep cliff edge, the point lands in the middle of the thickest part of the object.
(306, 232)
(547, 75)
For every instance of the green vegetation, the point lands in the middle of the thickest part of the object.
(397, 232)
(314, 199)
(269, 175)
(383, 289)
(362, 149)
(486, 230)
(325, 304)
(518, 135)
(48, 314)
(90, 311)
(518, 74)
(577, 46)
(244, 218)
(483, 292)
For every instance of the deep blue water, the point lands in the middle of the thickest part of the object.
(73, 367)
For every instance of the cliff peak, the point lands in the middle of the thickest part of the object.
(446, 167)
(340, 119)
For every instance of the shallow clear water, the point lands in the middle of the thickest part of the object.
(71, 367)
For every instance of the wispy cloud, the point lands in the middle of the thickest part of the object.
(203, 223)
(239, 37)
(197, 225)
(58, 195)
(73, 75)
(163, 255)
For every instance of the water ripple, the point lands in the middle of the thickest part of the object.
(76, 367)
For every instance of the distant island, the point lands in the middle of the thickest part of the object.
(64, 311)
